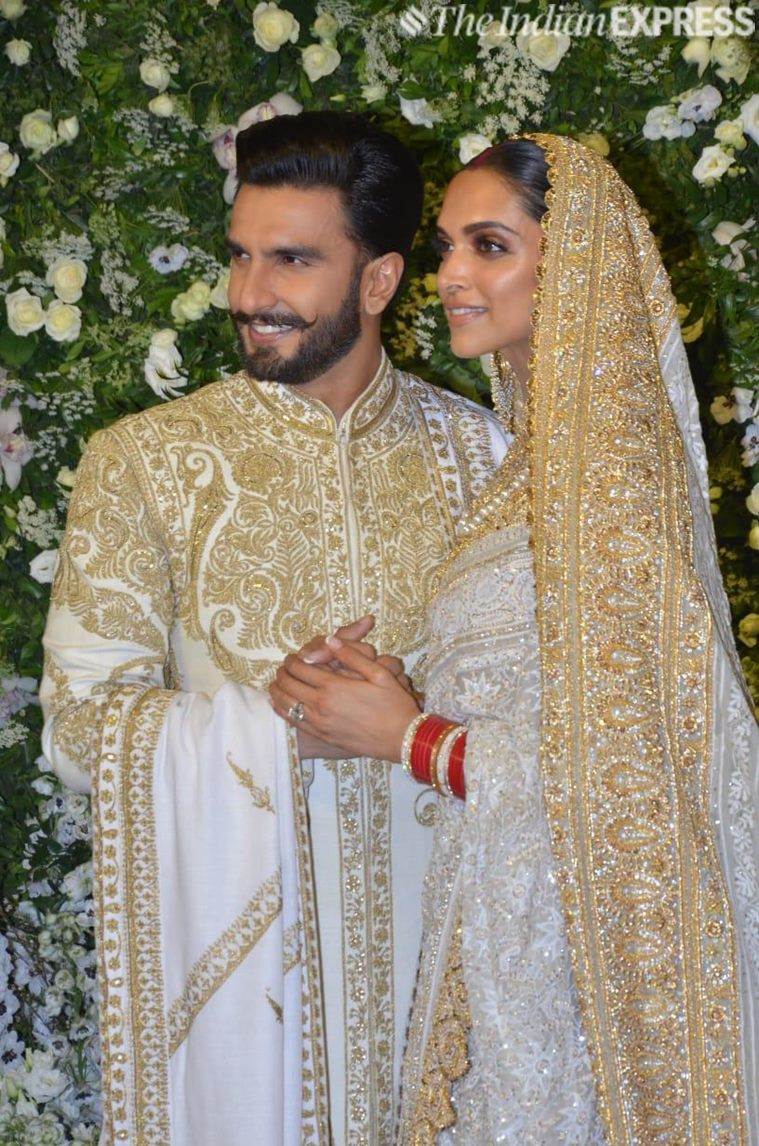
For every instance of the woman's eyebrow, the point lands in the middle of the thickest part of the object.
(482, 225)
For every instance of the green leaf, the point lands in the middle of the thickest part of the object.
(14, 350)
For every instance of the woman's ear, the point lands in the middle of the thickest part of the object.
(380, 281)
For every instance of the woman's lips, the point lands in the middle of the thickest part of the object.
(462, 315)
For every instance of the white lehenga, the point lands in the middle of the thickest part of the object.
(529, 1079)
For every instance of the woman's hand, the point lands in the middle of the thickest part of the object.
(318, 652)
(364, 714)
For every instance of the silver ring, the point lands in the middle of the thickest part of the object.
(296, 711)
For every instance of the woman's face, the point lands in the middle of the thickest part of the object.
(489, 252)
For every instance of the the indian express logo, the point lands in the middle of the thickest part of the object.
(620, 20)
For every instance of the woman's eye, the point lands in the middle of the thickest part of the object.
(489, 246)
(440, 246)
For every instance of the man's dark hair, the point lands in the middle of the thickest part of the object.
(377, 176)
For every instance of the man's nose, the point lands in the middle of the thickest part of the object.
(255, 290)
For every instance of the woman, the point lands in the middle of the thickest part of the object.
(591, 951)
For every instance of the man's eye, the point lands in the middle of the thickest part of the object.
(237, 254)
(293, 261)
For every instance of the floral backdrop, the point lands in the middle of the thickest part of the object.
(116, 174)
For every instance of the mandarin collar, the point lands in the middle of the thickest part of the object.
(313, 417)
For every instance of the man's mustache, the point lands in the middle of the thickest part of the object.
(271, 318)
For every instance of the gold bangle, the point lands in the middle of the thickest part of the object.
(408, 740)
(444, 757)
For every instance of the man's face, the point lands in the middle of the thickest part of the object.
(294, 289)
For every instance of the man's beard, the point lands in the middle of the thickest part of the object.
(329, 339)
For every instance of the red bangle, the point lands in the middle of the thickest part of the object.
(456, 780)
(425, 744)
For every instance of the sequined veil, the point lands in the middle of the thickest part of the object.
(646, 731)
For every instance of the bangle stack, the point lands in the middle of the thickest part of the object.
(433, 753)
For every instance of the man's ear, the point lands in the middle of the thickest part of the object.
(380, 281)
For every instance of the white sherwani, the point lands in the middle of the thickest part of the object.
(258, 923)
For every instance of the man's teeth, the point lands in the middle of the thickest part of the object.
(262, 328)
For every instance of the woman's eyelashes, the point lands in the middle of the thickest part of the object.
(483, 244)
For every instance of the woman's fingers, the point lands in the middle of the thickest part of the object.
(350, 658)
(356, 630)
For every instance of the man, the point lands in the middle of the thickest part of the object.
(258, 918)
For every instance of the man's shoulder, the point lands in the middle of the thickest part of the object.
(188, 415)
(449, 403)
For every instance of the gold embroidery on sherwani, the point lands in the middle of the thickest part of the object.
(261, 797)
(256, 522)
(625, 637)
(130, 972)
(224, 955)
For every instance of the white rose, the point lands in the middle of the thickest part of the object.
(37, 132)
(155, 74)
(545, 49)
(162, 105)
(42, 1080)
(2, 240)
(319, 60)
(68, 129)
(25, 313)
(662, 123)
(192, 304)
(370, 93)
(752, 501)
(494, 34)
(219, 293)
(67, 278)
(748, 114)
(698, 50)
(743, 403)
(712, 165)
(43, 566)
(63, 322)
(418, 112)
(700, 104)
(730, 133)
(472, 145)
(753, 541)
(725, 232)
(66, 477)
(325, 27)
(721, 410)
(12, 9)
(18, 52)
(733, 56)
(704, 21)
(273, 27)
(280, 104)
(9, 162)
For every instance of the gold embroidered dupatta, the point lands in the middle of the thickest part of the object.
(626, 637)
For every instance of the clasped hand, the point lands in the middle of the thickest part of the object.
(355, 703)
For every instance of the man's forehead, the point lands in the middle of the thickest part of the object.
(299, 213)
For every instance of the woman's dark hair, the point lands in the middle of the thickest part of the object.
(522, 164)
(377, 176)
